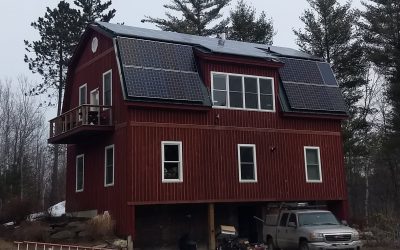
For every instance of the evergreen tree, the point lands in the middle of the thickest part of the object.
(381, 30)
(60, 30)
(330, 33)
(245, 27)
(196, 17)
(95, 10)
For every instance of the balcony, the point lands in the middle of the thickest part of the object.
(81, 124)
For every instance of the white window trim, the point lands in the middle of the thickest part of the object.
(80, 87)
(105, 166)
(273, 110)
(319, 164)
(76, 173)
(255, 163)
(111, 88)
(180, 179)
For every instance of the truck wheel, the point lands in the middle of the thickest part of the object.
(303, 245)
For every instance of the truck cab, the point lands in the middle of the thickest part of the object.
(309, 229)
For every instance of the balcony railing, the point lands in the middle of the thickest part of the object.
(92, 117)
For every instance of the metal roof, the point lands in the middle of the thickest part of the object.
(230, 47)
(160, 65)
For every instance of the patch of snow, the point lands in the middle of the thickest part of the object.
(57, 210)
(35, 216)
(8, 224)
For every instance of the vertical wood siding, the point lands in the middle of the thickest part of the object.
(210, 165)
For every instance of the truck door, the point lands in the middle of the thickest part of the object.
(291, 234)
(281, 231)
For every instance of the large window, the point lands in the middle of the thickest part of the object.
(171, 161)
(109, 166)
(312, 164)
(80, 168)
(82, 94)
(107, 88)
(242, 92)
(247, 163)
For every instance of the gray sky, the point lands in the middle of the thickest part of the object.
(17, 15)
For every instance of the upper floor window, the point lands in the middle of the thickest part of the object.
(247, 163)
(107, 88)
(79, 173)
(109, 166)
(243, 92)
(171, 161)
(312, 161)
(82, 94)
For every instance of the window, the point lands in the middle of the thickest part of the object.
(242, 92)
(171, 161)
(107, 88)
(109, 166)
(82, 94)
(283, 220)
(247, 163)
(312, 164)
(80, 168)
(292, 218)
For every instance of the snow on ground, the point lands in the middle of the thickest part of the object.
(57, 210)
(12, 223)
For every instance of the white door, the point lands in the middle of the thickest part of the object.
(94, 99)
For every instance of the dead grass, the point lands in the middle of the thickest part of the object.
(101, 226)
(6, 245)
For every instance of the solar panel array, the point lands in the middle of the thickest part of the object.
(163, 71)
(314, 97)
(157, 55)
(210, 43)
(163, 84)
(311, 85)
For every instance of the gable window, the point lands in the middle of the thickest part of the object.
(107, 88)
(82, 94)
(247, 163)
(242, 92)
(312, 161)
(79, 172)
(171, 161)
(109, 166)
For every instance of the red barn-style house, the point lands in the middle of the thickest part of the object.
(176, 134)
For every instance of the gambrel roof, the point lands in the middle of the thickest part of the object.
(161, 66)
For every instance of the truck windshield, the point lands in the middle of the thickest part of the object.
(317, 219)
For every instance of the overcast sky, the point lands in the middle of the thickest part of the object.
(17, 15)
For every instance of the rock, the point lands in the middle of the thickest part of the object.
(120, 243)
(76, 226)
(62, 235)
(83, 234)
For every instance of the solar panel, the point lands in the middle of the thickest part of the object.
(144, 53)
(163, 84)
(297, 70)
(230, 47)
(327, 74)
(314, 97)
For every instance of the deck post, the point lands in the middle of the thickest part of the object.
(211, 227)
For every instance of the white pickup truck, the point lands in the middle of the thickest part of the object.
(309, 229)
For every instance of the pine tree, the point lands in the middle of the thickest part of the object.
(95, 10)
(330, 33)
(60, 30)
(381, 30)
(245, 27)
(196, 17)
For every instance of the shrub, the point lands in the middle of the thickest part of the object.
(31, 231)
(101, 226)
(16, 210)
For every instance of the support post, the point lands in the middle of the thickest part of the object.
(211, 227)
